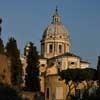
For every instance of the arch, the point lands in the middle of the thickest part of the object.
(50, 48)
(60, 48)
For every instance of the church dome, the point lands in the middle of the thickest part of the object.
(55, 28)
(55, 40)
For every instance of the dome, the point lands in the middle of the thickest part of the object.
(55, 28)
(55, 40)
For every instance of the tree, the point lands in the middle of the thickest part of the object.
(98, 68)
(1, 46)
(8, 93)
(1, 41)
(0, 26)
(76, 76)
(16, 67)
(32, 81)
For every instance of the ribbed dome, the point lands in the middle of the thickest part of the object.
(56, 27)
(55, 40)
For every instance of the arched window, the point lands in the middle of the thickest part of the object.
(60, 48)
(50, 48)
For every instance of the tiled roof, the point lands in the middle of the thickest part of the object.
(66, 54)
(70, 54)
(84, 61)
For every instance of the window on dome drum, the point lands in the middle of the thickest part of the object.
(60, 48)
(50, 48)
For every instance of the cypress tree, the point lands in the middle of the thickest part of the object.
(98, 69)
(32, 81)
(1, 46)
(16, 67)
(1, 41)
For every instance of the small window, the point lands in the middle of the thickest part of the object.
(47, 93)
(72, 63)
(67, 44)
(43, 65)
(59, 63)
(50, 36)
(58, 70)
(60, 48)
(59, 79)
(60, 36)
(50, 48)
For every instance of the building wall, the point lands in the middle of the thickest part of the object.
(42, 65)
(55, 88)
(24, 65)
(73, 62)
(84, 65)
(5, 71)
(65, 62)
(51, 70)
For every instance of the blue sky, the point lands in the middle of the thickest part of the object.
(26, 20)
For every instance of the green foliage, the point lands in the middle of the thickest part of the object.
(16, 67)
(94, 96)
(32, 77)
(1, 46)
(8, 93)
(78, 74)
(90, 74)
(1, 41)
(98, 69)
(11, 48)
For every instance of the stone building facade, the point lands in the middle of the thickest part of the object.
(56, 56)
(5, 70)
(55, 47)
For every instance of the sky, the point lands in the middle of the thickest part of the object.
(25, 20)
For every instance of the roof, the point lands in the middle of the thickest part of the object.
(56, 27)
(41, 57)
(66, 54)
(84, 62)
(70, 54)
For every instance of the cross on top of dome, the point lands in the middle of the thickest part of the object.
(56, 17)
(56, 11)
